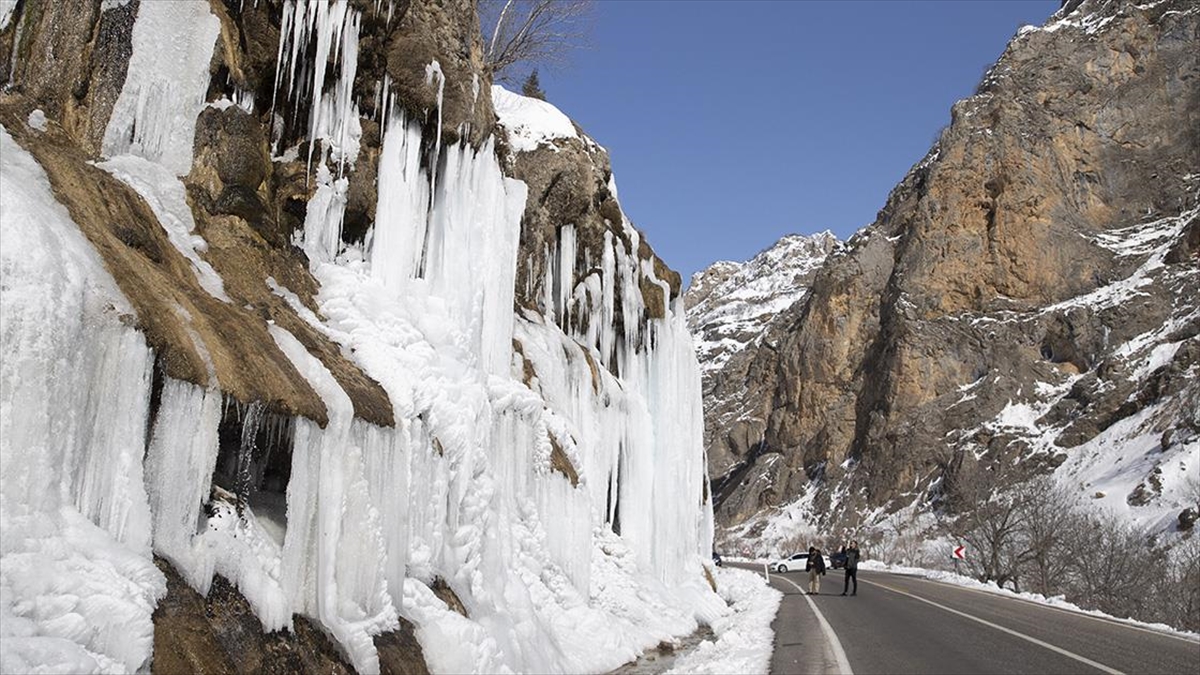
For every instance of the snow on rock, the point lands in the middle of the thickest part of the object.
(530, 122)
(155, 115)
(6, 11)
(77, 588)
(37, 120)
(167, 198)
(730, 303)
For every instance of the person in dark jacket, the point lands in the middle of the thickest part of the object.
(852, 558)
(815, 567)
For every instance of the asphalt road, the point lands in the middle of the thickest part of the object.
(901, 624)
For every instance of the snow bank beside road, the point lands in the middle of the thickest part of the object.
(745, 640)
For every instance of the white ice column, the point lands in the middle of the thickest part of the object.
(334, 552)
(179, 470)
(401, 214)
(155, 115)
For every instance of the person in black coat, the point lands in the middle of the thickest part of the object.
(815, 566)
(852, 558)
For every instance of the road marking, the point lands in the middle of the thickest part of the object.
(1112, 621)
(1047, 645)
(834, 643)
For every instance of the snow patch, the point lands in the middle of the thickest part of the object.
(167, 198)
(530, 122)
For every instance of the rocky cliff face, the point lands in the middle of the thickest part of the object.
(1029, 294)
(312, 361)
(731, 311)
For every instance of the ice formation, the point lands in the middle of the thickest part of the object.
(155, 114)
(77, 587)
(567, 509)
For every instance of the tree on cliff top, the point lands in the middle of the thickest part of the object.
(531, 33)
(532, 87)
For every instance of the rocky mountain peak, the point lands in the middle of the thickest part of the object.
(729, 303)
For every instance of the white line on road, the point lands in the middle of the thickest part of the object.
(834, 643)
(1081, 613)
(1047, 645)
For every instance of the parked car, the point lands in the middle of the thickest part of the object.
(837, 560)
(716, 559)
(796, 562)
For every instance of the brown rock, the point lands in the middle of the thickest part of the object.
(958, 282)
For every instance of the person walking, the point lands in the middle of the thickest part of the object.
(815, 566)
(852, 557)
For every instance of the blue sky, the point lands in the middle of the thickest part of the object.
(730, 124)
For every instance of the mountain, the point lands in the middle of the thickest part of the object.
(730, 306)
(1026, 302)
(323, 354)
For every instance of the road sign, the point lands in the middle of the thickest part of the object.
(960, 552)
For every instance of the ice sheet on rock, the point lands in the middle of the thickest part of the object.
(76, 377)
(482, 509)
(530, 122)
(155, 114)
(72, 599)
(167, 198)
(76, 586)
(463, 488)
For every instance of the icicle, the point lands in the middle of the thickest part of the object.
(251, 421)
(434, 69)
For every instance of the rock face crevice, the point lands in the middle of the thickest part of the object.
(1036, 257)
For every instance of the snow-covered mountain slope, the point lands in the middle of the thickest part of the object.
(729, 304)
(730, 309)
(282, 351)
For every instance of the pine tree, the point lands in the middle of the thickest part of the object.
(532, 88)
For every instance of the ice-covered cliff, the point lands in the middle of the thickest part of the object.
(285, 308)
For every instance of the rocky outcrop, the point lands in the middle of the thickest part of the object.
(571, 185)
(732, 308)
(1026, 287)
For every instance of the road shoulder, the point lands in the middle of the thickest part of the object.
(801, 644)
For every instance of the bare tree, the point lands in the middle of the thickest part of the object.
(1109, 567)
(536, 32)
(1051, 519)
(991, 524)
